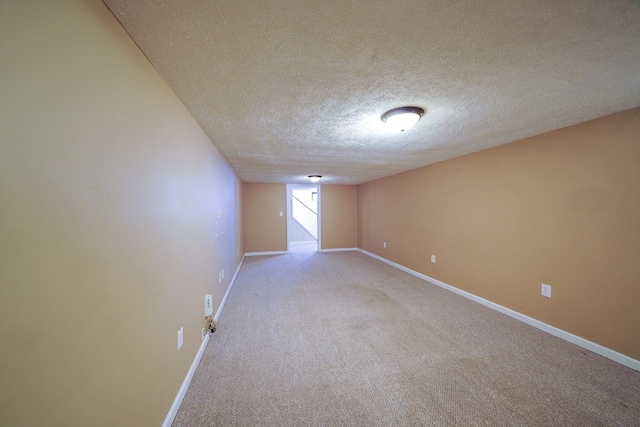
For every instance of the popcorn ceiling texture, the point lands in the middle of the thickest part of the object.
(285, 89)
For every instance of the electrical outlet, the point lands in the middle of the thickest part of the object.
(433, 259)
(384, 244)
(223, 274)
(208, 305)
(180, 338)
(546, 290)
(220, 277)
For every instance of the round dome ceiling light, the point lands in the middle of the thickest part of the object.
(402, 118)
(315, 178)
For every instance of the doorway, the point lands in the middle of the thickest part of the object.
(303, 218)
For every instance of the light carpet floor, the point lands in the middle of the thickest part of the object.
(342, 339)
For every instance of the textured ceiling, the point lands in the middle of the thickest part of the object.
(285, 89)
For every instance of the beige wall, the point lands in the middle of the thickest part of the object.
(264, 229)
(339, 216)
(109, 229)
(561, 208)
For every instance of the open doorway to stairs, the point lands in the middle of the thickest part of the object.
(303, 218)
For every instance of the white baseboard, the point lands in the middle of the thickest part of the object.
(338, 250)
(265, 253)
(185, 385)
(226, 294)
(187, 381)
(567, 336)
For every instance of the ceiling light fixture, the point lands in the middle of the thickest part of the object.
(315, 178)
(402, 118)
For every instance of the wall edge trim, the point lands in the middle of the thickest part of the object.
(226, 294)
(173, 411)
(567, 336)
(265, 253)
(338, 250)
